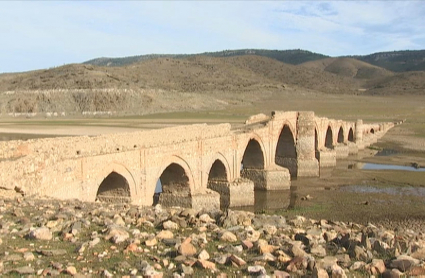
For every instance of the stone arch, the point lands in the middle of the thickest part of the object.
(254, 156)
(372, 131)
(218, 181)
(116, 184)
(329, 138)
(220, 157)
(286, 153)
(351, 135)
(340, 138)
(176, 182)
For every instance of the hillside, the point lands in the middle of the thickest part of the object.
(348, 67)
(293, 57)
(405, 83)
(191, 83)
(397, 61)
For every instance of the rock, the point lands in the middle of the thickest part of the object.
(319, 251)
(205, 218)
(186, 248)
(29, 256)
(296, 264)
(320, 273)
(327, 263)
(1, 267)
(107, 274)
(358, 253)
(24, 270)
(257, 271)
(238, 261)
(53, 252)
(401, 264)
(170, 225)
(117, 234)
(298, 252)
(71, 270)
(203, 255)
(338, 272)
(151, 242)
(187, 270)
(267, 248)
(206, 264)
(42, 233)
(376, 267)
(269, 229)
(247, 244)
(281, 274)
(228, 236)
(221, 259)
(165, 234)
(393, 273)
(357, 266)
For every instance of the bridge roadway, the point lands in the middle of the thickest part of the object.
(199, 165)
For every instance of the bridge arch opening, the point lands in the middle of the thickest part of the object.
(253, 157)
(217, 181)
(329, 138)
(316, 144)
(351, 135)
(114, 189)
(372, 131)
(172, 187)
(340, 135)
(286, 154)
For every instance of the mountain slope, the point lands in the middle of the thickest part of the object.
(348, 67)
(293, 57)
(397, 61)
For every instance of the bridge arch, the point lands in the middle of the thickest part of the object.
(286, 153)
(340, 138)
(351, 135)
(177, 183)
(329, 138)
(116, 184)
(254, 155)
(215, 170)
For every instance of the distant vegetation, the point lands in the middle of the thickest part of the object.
(293, 57)
(397, 61)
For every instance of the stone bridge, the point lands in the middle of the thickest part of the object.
(200, 165)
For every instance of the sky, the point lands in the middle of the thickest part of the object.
(45, 34)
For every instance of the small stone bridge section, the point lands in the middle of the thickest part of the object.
(199, 166)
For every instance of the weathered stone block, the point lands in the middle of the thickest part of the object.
(209, 200)
(271, 179)
(327, 158)
(341, 151)
(234, 194)
(308, 168)
(352, 148)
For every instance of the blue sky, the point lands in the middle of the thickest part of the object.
(43, 34)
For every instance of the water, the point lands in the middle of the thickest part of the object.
(22, 136)
(374, 166)
(398, 191)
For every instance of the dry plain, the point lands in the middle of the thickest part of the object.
(405, 144)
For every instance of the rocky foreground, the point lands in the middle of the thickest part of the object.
(50, 238)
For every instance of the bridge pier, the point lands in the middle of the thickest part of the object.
(352, 148)
(234, 194)
(307, 164)
(327, 158)
(341, 150)
(359, 135)
(273, 178)
(206, 200)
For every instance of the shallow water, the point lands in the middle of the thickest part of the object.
(22, 136)
(401, 191)
(374, 166)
